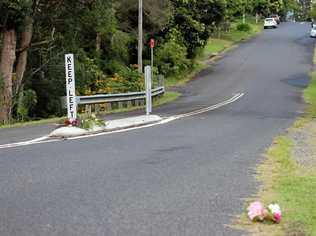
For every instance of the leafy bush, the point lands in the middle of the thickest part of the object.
(171, 58)
(243, 27)
(27, 101)
(125, 80)
(119, 46)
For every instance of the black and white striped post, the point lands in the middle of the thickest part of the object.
(70, 87)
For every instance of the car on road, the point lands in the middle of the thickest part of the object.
(276, 18)
(313, 31)
(270, 23)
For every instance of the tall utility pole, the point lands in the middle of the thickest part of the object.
(140, 36)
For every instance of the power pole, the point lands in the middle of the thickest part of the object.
(140, 36)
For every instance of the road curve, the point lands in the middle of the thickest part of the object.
(187, 177)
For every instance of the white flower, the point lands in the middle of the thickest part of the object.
(274, 208)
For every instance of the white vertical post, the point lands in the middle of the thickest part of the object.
(70, 87)
(148, 89)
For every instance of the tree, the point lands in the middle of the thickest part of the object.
(16, 25)
(196, 20)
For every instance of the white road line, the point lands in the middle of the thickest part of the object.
(164, 121)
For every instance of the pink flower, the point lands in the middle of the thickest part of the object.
(277, 217)
(256, 211)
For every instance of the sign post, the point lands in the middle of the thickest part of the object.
(152, 45)
(148, 89)
(70, 87)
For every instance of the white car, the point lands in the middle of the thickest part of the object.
(270, 23)
(313, 32)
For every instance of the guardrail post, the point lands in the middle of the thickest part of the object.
(161, 81)
(129, 104)
(88, 109)
(97, 108)
(120, 105)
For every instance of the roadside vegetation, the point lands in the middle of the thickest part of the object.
(102, 34)
(288, 176)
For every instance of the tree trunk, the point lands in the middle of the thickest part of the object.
(98, 43)
(6, 70)
(26, 37)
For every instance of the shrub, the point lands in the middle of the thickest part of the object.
(243, 27)
(171, 58)
(27, 101)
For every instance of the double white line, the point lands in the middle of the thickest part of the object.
(211, 108)
(45, 139)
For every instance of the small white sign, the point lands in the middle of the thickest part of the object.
(70, 87)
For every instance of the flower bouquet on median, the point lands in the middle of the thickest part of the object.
(257, 212)
(69, 122)
(87, 122)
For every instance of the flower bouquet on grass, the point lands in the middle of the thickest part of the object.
(257, 212)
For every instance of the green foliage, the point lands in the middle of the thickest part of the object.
(196, 20)
(90, 122)
(13, 12)
(26, 102)
(171, 58)
(120, 43)
(157, 15)
(102, 34)
(243, 27)
(125, 80)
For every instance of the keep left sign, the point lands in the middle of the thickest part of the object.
(70, 87)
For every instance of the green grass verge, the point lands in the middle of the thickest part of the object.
(33, 122)
(181, 80)
(236, 36)
(215, 45)
(169, 97)
(290, 185)
(286, 182)
(310, 96)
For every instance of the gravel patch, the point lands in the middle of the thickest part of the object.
(304, 150)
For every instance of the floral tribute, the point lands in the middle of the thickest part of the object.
(257, 212)
(69, 122)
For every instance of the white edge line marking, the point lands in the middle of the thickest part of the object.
(164, 121)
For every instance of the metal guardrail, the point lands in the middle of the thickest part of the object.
(120, 97)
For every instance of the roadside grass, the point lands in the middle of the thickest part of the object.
(310, 96)
(215, 45)
(182, 79)
(33, 122)
(236, 36)
(290, 185)
(286, 181)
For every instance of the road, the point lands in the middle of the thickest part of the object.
(187, 177)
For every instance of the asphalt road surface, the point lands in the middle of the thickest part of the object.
(188, 177)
